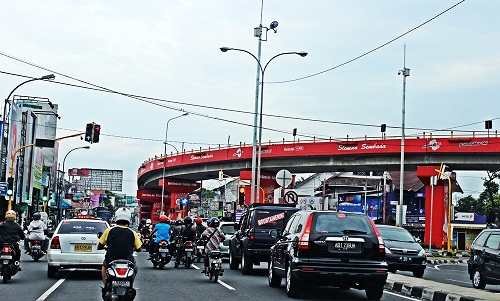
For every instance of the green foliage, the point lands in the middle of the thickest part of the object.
(471, 204)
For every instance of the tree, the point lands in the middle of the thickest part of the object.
(471, 204)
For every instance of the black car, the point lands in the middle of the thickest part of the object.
(250, 243)
(402, 251)
(327, 248)
(484, 261)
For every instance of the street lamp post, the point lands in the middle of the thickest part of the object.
(165, 159)
(5, 131)
(60, 197)
(256, 175)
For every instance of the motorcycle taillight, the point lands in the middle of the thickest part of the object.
(189, 244)
(121, 271)
(6, 249)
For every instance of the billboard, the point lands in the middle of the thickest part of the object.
(98, 179)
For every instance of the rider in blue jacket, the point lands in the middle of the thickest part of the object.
(162, 230)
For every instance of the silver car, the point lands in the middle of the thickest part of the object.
(228, 229)
(74, 245)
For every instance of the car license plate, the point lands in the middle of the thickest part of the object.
(345, 246)
(6, 257)
(405, 259)
(83, 248)
(124, 283)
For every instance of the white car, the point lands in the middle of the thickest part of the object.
(74, 245)
(228, 229)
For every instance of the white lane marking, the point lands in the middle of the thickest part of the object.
(226, 285)
(53, 287)
(402, 296)
(218, 281)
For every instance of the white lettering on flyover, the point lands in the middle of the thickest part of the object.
(270, 219)
(363, 147)
(204, 156)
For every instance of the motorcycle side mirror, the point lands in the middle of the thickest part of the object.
(99, 234)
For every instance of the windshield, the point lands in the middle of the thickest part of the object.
(82, 227)
(227, 229)
(396, 234)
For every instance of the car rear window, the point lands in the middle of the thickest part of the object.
(269, 219)
(341, 223)
(228, 229)
(82, 227)
(396, 234)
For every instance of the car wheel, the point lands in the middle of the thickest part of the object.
(418, 273)
(233, 262)
(246, 264)
(51, 272)
(274, 281)
(477, 279)
(374, 292)
(292, 285)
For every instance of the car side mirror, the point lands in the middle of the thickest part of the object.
(99, 234)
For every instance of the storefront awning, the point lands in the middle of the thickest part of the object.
(468, 226)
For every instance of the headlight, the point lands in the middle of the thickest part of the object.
(421, 253)
(387, 250)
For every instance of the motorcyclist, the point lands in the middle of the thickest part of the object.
(11, 232)
(162, 230)
(37, 230)
(141, 224)
(121, 241)
(213, 236)
(187, 233)
(199, 226)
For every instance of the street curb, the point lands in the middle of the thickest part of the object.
(441, 261)
(425, 293)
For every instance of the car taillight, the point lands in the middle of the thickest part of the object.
(6, 249)
(252, 237)
(381, 245)
(121, 271)
(55, 244)
(304, 239)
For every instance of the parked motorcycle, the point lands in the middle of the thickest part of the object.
(36, 251)
(189, 252)
(214, 266)
(8, 267)
(162, 256)
(119, 281)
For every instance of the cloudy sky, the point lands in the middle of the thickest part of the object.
(166, 53)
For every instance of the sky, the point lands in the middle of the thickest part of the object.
(167, 54)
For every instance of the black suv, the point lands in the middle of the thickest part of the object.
(484, 261)
(328, 248)
(251, 243)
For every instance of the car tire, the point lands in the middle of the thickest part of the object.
(246, 264)
(477, 279)
(234, 263)
(374, 292)
(418, 273)
(273, 280)
(292, 285)
(51, 272)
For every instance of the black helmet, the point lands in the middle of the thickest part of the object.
(188, 220)
(178, 222)
(143, 220)
(214, 222)
(37, 216)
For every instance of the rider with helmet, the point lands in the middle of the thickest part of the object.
(36, 231)
(199, 226)
(213, 236)
(162, 230)
(121, 242)
(141, 225)
(187, 233)
(11, 232)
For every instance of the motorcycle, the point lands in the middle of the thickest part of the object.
(188, 255)
(146, 239)
(214, 266)
(119, 281)
(8, 267)
(162, 256)
(200, 248)
(36, 249)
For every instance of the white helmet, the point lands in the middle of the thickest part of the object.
(148, 222)
(122, 214)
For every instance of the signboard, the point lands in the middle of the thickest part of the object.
(3, 188)
(99, 179)
(284, 178)
(291, 197)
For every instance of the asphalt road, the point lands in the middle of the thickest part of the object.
(153, 284)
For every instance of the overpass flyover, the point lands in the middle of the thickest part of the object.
(474, 152)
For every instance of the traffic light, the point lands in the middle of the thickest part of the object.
(10, 185)
(97, 131)
(88, 132)
(241, 196)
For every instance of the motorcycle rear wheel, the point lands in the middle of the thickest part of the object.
(216, 275)
(5, 273)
